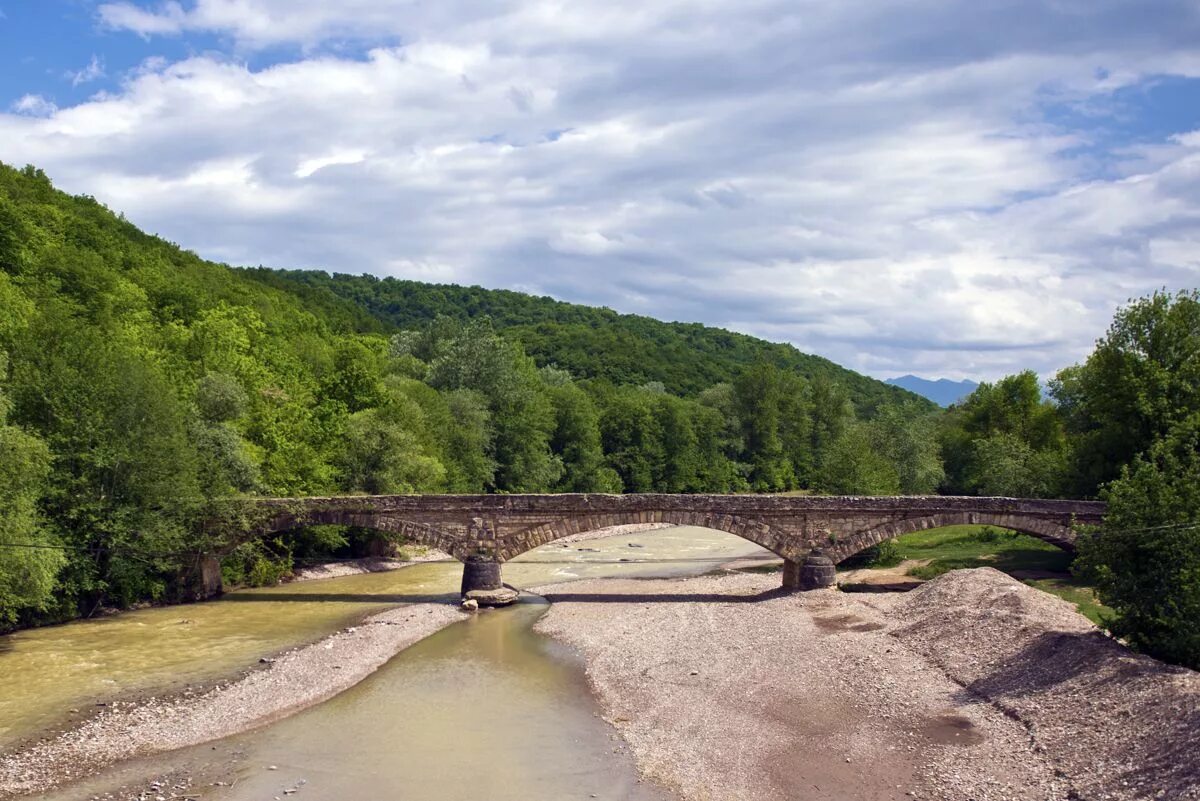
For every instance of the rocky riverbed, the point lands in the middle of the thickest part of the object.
(974, 686)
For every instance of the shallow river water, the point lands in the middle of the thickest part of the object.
(485, 708)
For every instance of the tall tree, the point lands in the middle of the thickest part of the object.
(855, 464)
(1005, 439)
(29, 561)
(522, 414)
(906, 435)
(1142, 379)
(576, 438)
(759, 391)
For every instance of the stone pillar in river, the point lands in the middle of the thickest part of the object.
(205, 581)
(816, 572)
(481, 582)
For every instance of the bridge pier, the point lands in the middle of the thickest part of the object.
(481, 582)
(816, 572)
(205, 579)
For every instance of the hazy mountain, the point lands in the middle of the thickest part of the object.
(942, 391)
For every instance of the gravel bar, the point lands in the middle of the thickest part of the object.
(973, 687)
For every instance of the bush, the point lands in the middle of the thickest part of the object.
(991, 534)
(255, 564)
(885, 554)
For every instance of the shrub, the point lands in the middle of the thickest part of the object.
(885, 554)
(990, 534)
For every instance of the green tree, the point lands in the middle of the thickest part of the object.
(29, 562)
(906, 435)
(631, 436)
(855, 464)
(522, 414)
(832, 414)
(1142, 379)
(680, 468)
(382, 456)
(468, 443)
(1004, 439)
(759, 391)
(1145, 559)
(1004, 464)
(576, 438)
(126, 486)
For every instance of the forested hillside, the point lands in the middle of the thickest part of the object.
(590, 342)
(141, 384)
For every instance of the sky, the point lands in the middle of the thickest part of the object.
(950, 189)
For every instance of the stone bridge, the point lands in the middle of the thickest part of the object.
(484, 531)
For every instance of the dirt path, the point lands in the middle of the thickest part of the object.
(823, 696)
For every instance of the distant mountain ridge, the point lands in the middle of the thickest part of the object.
(943, 391)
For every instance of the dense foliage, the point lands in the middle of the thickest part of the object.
(142, 385)
(1138, 396)
(1005, 439)
(587, 341)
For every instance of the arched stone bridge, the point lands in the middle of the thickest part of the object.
(483, 531)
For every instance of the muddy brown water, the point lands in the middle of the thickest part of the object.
(484, 708)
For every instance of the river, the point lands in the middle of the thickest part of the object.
(483, 708)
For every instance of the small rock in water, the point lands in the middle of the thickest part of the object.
(266, 661)
(272, 767)
(470, 604)
(635, 545)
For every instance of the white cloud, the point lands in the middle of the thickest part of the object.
(93, 71)
(874, 184)
(34, 106)
(168, 18)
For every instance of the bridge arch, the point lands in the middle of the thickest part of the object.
(1053, 533)
(756, 531)
(414, 532)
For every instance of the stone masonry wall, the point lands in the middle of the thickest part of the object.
(499, 527)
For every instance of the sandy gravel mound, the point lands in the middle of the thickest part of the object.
(296, 679)
(727, 690)
(1118, 725)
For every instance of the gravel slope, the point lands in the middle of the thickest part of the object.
(1120, 724)
(836, 696)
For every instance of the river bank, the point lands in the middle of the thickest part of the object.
(971, 687)
(286, 683)
(132, 721)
